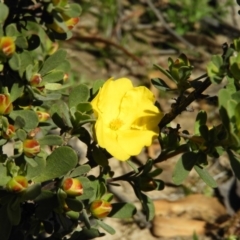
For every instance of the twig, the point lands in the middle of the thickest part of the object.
(161, 158)
(181, 106)
(165, 25)
(108, 42)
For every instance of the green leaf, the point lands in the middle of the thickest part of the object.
(160, 184)
(3, 12)
(21, 134)
(160, 84)
(84, 107)
(5, 226)
(60, 114)
(30, 118)
(74, 204)
(15, 62)
(53, 77)
(11, 30)
(30, 161)
(16, 91)
(53, 86)
(4, 177)
(165, 72)
(205, 176)
(78, 95)
(235, 163)
(214, 69)
(21, 42)
(122, 210)
(53, 61)
(34, 171)
(31, 192)
(184, 166)
(201, 119)
(148, 207)
(59, 162)
(73, 215)
(223, 96)
(26, 61)
(80, 170)
(88, 190)
(99, 157)
(107, 197)
(85, 218)
(51, 140)
(106, 227)
(73, 10)
(155, 172)
(85, 233)
(96, 86)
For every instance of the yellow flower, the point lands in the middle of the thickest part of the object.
(127, 119)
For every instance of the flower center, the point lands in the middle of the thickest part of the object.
(115, 124)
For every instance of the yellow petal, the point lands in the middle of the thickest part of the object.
(109, 98)
(132, 141)
(137, 107)
(107, 139)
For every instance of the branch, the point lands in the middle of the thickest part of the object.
(161, 158)
(180, 107)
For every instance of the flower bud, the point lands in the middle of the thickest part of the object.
(7, 46)
(31, 147)
(100, 208)
(72, 186)
(71, 22)
(147, 184)
(5, 104)
(17, 184)
(10, 132)
(43, 116)
(35, 80)
(65, 77)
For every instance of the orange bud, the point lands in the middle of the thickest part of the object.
(43, 116)
(17, 184)
(100, 208)
(5, 104)
(72, 186)
(7, 46)
(36, 79)
(31, 147)
(70, 23)
(10, 132)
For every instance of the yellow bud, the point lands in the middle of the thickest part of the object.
(72, 186)
(100, 208)
(17, 184)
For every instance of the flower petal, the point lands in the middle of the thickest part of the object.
(107, 139)
(108, 99)
(132, 141)
(137, 107)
